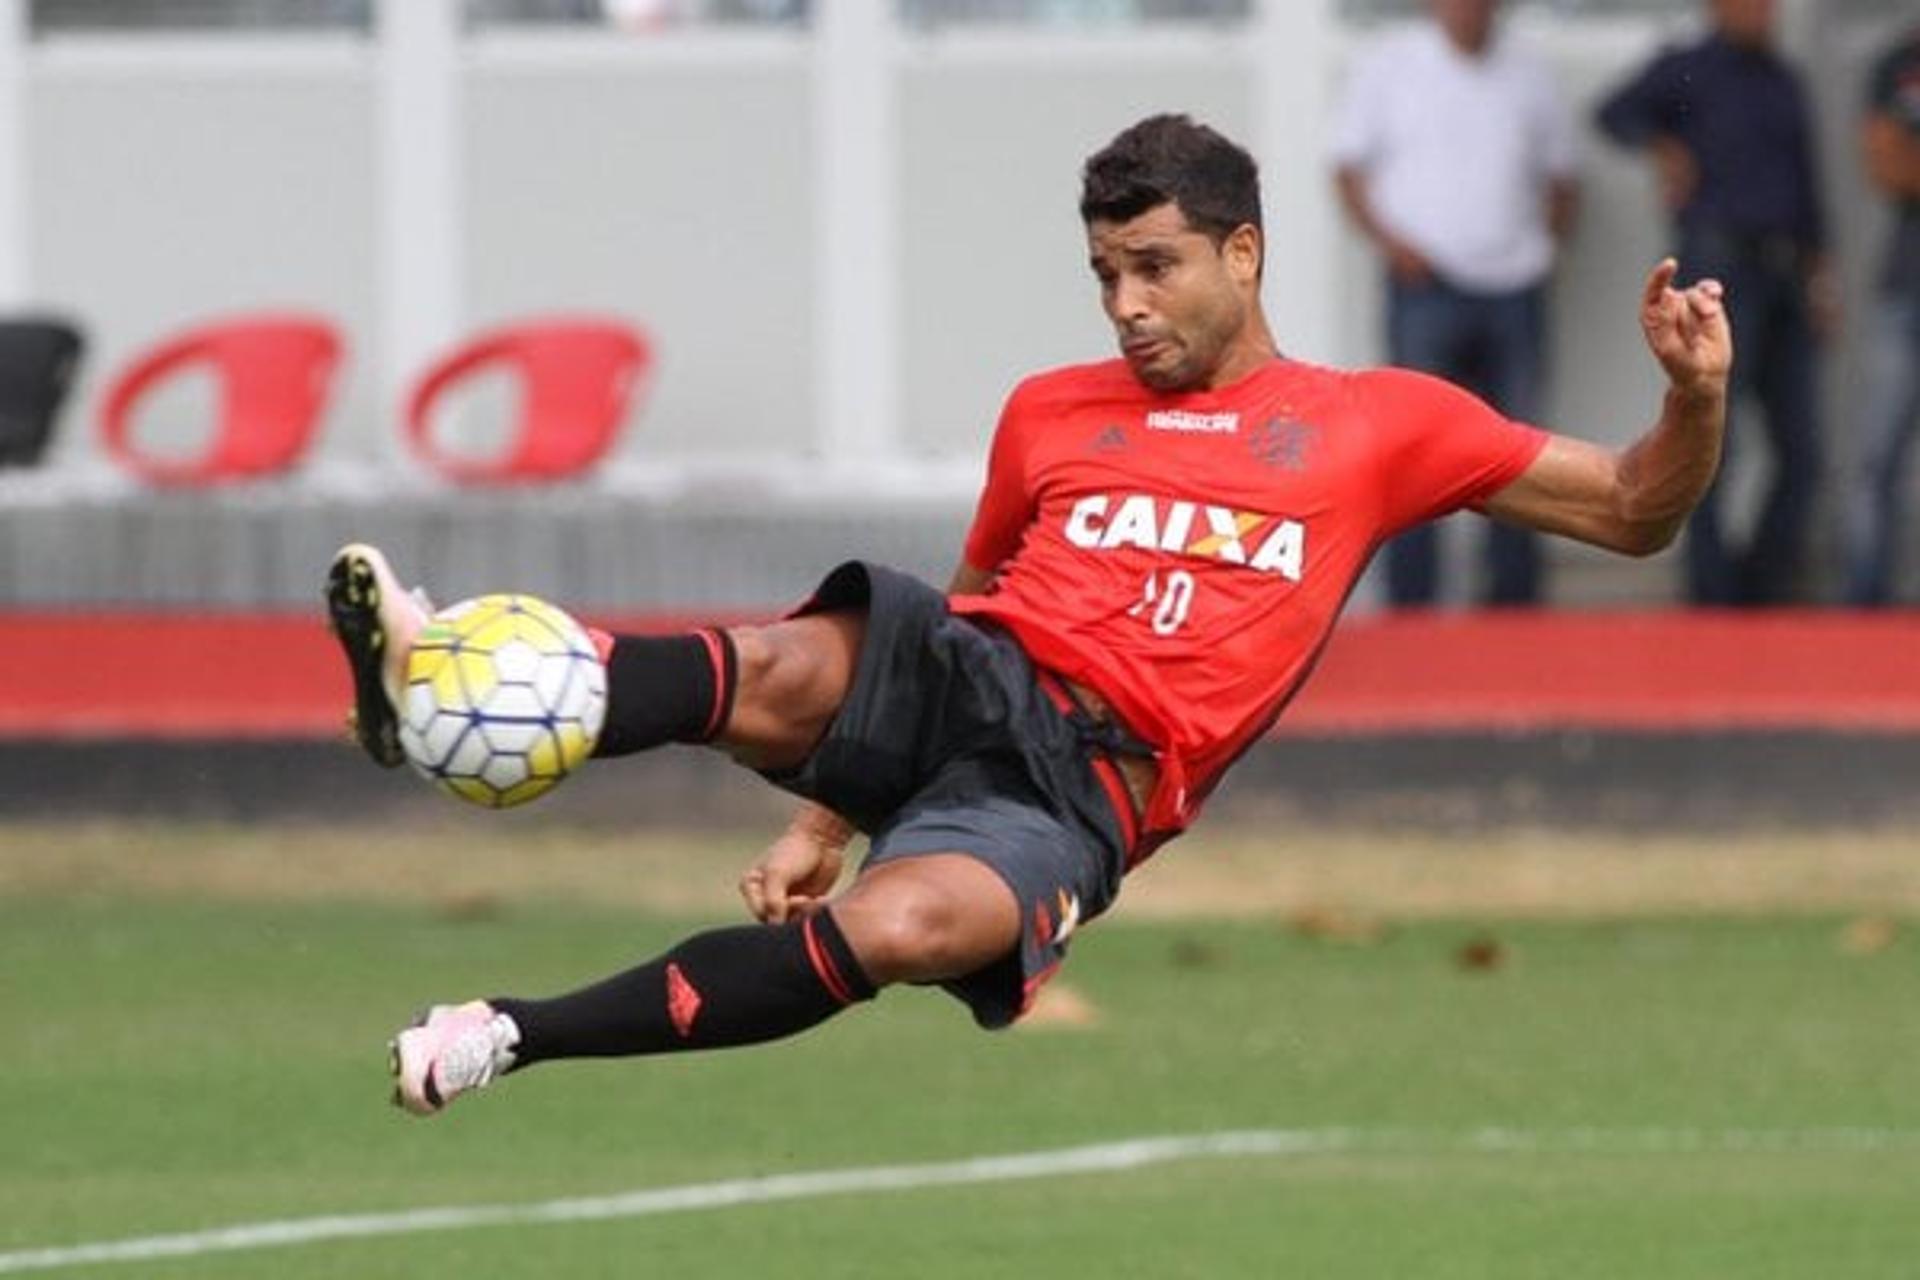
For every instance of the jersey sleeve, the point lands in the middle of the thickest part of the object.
(1006, 505)
(1441, 448)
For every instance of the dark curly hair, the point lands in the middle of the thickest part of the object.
(1173, 158)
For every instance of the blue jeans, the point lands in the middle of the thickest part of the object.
(1877, 512)
(1494, 345)
(1775, 359)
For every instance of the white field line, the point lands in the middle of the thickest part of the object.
(1102, 1158)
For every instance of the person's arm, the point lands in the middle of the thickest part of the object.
(1646, 113)
(1635, 501)
(1363, 138)
(1819, 274)
(1557, 151)
(1406, 263)
(1563, 207)
(1640, 110)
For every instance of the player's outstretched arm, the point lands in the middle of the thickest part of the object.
(1636, 500)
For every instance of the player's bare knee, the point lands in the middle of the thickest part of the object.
(909, 938)
(913, 931)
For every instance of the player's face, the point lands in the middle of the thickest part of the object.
(1178, 302)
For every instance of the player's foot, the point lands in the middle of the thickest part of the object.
(448, 1051)
(375, 619)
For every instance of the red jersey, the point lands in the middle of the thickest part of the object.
(1186, 555)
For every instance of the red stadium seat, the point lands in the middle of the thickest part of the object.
(578, 379)
(275, 371)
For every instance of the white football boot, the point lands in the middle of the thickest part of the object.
(448, 1051)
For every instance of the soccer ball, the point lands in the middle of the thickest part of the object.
(505, 696)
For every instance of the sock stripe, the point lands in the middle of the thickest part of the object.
(603, 642)
(823, 964)
(720, 653)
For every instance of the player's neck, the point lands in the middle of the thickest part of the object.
(1251, 351)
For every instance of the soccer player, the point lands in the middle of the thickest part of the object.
(1161, 548)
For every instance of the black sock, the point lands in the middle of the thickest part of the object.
(666, 689)
(734, 986)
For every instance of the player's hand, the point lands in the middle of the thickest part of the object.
(1687, 331)
(792, 878)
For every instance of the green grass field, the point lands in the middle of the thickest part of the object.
(1674, 1096)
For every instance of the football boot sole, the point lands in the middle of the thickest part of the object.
(353, 609)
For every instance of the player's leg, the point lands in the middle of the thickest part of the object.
(930, 918)
(989, 924)
(896, 686)
(925, 919)
(720, 988)
(763, 693)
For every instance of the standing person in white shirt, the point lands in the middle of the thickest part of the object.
(1456, 156)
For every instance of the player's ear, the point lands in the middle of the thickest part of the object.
(1242, 250)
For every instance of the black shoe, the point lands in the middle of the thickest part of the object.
(360, 588)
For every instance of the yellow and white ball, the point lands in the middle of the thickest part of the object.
(505, 696)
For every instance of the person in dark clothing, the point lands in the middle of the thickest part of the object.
(1727, 125)
(1890, 142)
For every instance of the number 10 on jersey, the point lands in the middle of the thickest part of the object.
(1165, 601)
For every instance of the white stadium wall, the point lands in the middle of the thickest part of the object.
(678, 196)
(168, 185)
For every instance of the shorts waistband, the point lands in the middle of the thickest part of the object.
(1120, 760)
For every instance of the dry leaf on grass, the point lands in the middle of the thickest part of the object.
(1191, 953)
(1335, 924)
(471, 905)
(1869, 935)
(1483, 954)
(1057, 1005)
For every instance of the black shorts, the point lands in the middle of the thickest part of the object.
(947, 743)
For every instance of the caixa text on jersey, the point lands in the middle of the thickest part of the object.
(1266, 543)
